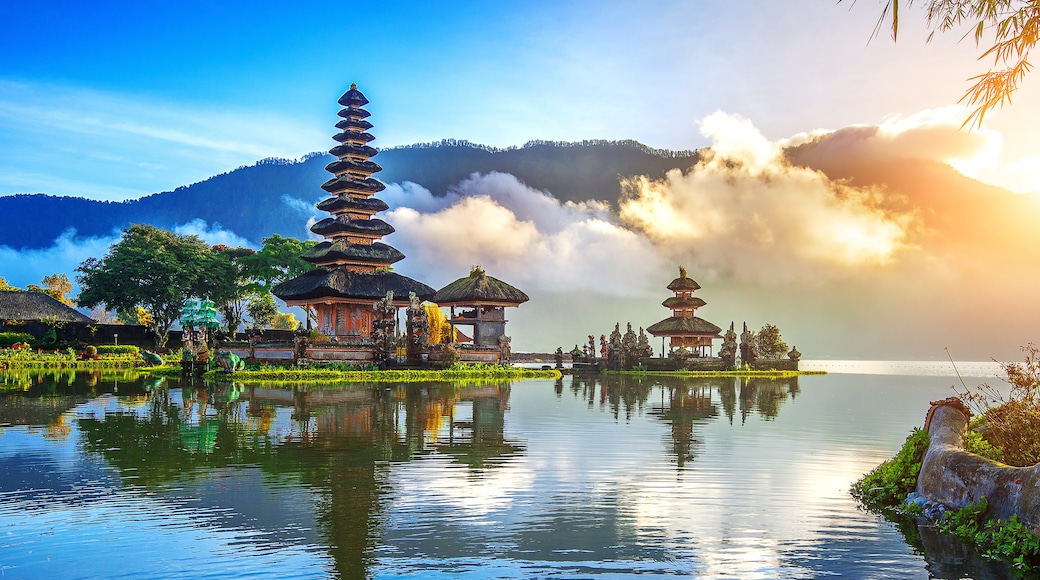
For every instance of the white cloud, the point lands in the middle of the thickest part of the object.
(744, 212)
(523, 236)
(24, 267)
(212, 235)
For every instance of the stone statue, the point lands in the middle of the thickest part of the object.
(794, 354)
(503, 346)
(229, 362)
(559, 358)
(728, 352)
(748, 353)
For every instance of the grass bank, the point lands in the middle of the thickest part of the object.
(318, 376)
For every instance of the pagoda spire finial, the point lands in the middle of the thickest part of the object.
(353, 86)
(682, 272)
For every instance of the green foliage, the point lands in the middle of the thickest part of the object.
(9, 339)
(153, 269)
(1006, 540)
(90, 351)
(769, 344)
(975, 442)
(261, 309)
(279, 260)
(886, 487)
(118, 349)
(1015, 26)
(1012, 423)
(230, 293)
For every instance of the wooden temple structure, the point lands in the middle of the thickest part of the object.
(687, 334)
(482, 300)
(352, 267)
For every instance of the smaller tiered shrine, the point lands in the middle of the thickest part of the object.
(686, 333)
(483, 300)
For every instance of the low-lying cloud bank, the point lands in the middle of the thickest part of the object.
(521, 235)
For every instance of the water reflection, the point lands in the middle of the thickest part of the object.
(614, 475)
(337, 442)
(684, 402)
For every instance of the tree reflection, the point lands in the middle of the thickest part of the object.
(684, 403)
(338, 441)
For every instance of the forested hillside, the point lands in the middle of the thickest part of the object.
(250, 201)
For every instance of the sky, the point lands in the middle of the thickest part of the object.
(118, 100)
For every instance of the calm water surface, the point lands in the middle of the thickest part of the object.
(112, 475)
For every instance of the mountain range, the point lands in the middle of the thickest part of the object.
(250, 201)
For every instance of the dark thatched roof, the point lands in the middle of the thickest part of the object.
(353, 112)
(678, 325)
(377, 254)
(29, 305)
(356, 124)
(677, 302)
(350, 136)
(345, 202)
(365, 167)
(479, 288)
(683, 283)
(343, 224)
(345, 149)
(347, 184)
(353, 97)
(341, 283)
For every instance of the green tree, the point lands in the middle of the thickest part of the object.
(153, 269)
(262, 309)
(277, 261)
(1014, 26)
(769, 344)
(232, 291)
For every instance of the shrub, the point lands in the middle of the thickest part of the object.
(118, 349)
(887, 486)
(1007, 540)
(90, 351)
(1012, 423)
(9, 339)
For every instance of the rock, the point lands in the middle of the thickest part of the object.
(954, 478)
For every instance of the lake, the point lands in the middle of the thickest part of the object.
(115, 475)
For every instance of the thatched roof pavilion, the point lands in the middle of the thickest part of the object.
(32, 306)
(683, 328)
(352, 265)
(486, 297)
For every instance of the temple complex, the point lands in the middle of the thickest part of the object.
(687, 333)
(352, 267)
(486, 299)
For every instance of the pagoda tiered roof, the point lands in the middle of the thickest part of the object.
(683, 324)
(351, 263)
(353, 166)
(683, 302)
(343, 224)
(340, 282)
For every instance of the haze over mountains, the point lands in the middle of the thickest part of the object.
(854, 249)
(277, 196)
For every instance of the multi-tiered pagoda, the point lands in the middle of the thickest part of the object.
(352, 265)
(687, 333)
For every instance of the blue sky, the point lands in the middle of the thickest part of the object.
(114, 100)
